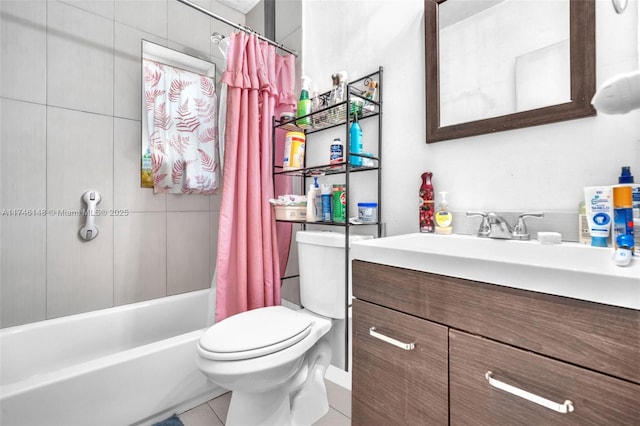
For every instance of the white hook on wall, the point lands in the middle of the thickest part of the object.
(90, 230)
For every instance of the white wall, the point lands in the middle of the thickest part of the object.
(537, 168)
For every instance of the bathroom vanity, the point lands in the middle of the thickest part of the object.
(437, 348)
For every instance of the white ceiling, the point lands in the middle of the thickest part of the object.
(243, 6)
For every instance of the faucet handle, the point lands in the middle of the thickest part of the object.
(484, 229)
(520, 231)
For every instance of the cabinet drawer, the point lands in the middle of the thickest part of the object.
(394, 386)
(597, 399)
(600, 337)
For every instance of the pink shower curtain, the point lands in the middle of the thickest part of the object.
(249, 260)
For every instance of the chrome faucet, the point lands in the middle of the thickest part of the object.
(494, 226)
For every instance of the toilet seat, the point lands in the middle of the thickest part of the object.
(254, 333)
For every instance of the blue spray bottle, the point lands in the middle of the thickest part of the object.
(355, 142)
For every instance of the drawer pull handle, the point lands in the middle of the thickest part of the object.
(394, 342)
(564, 408)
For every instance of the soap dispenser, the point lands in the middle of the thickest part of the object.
(443, 217)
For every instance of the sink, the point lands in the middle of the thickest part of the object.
(568, 269)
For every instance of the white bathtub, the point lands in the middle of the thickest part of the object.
(132, 364)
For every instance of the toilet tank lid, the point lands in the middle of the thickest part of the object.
(327, 238)
(256, 329)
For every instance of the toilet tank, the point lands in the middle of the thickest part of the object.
(321, 256)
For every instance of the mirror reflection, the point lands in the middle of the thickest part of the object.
(523, 63)
(495, 65)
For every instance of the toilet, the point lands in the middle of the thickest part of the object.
(274, 359)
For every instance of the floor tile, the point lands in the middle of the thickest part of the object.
(202, 415)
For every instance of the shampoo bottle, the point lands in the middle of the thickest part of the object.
(304, 104)
(443, 217)
(426, 203)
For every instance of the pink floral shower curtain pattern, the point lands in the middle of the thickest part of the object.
(248, 264)
(181, 119)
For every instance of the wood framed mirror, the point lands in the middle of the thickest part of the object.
(528, 104)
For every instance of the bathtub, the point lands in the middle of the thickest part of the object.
(128, 365)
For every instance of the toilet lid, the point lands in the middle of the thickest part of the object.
(255, 333)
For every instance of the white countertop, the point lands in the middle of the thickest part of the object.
(567, 269)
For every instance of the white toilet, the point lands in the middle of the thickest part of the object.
(274, 359)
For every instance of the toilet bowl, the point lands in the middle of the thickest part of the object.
(274, 359)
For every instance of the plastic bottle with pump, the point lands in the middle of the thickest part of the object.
(443, 217)
(426, 203)
(312, 194)
(314, 202)
(304, 104)
(355, 142)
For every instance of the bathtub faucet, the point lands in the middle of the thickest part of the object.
(495, 226)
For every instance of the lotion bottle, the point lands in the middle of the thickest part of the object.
(443, 217)
(312, 195)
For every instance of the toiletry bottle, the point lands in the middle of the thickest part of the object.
(355, 142)
(326, 203)
(312, 194)
(318, 206)
(304, 104)
(626, 178)
(622, 212)
(337, 96)
(584, 237)
(443, 217)
(426, 203)
(370, 94)
(146, 172)
(339, 203)
(336, 156)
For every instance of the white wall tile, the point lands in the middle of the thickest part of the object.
(127, 157)
(79, 157)
(197, 34)
(79, 59)
(127, 101)
(101, 7)
(140, 257)
(23, 159)
(79, 273)
(188, 252)
(23, 282)
(188, 202)
(22, 49)
(145, 15)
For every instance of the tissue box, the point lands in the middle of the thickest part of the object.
(291, 212)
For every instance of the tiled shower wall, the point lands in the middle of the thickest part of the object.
(70, 108)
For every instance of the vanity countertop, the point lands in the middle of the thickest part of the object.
(568, 269)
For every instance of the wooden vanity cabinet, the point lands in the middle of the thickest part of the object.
(596, 399)
(553, 347)
(398, 385)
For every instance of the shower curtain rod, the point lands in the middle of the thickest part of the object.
(238, 26)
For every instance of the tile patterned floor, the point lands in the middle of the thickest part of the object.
(214, 412)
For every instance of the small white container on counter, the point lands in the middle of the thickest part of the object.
(368, 212)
